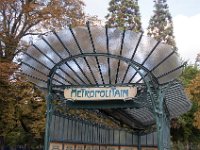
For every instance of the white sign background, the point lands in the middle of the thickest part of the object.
(100, 93)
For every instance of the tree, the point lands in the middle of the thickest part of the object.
(124, 14)
(189, 73)
(22, 109)
(6, 70)
(186, 128)
(22, 114)
(93, 20)
(22, 106)
(161, 25)
(19, 18)
(197, 61)
(193, 90)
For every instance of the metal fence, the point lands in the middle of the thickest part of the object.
(66, 129)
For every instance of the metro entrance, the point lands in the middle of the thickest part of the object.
(124, 75)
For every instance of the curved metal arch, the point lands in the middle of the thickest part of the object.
(132, 63)
(147, 78)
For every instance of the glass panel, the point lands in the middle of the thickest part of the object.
(161, 52)
(73, 130)
(94, 67)
(123, 67)
(69, 41)
(52, 128)
(170, 64)
(150, 139)
(104, 68)
(99, 38)
(116, 137)
(144, 48)
(66, 129)
(86, 69)
(115, 37)
(143, 140)
(129, 138)
(122, 137)
(62, 129)
(113, 66)
(71, 75)
(48, 52)
(56, 129)
(70, 130)
(130, 42)
(111, 138)
(135, 139)
(155, 138)
(78, 136)
(82, 33)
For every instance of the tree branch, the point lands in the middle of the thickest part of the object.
(4, 22)
(30, 33)
(26, 28)
(1, 50)
(15, 22)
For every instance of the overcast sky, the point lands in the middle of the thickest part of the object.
(186, 19)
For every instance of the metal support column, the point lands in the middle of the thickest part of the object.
(162, 122)
(161, 114)
(49, 109)
(139, 142)
(48, 121)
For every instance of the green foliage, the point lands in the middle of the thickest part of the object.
(193, 90)
(161, 25)
(22, 111)
(182, 129)
(124, 14)
(188, 74)
(185, 129)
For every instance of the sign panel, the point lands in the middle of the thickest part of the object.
(55, 146)
(102, 147)
(112, 148)
(79, 147)
(128, 148)
(69, 146)
(100, 93)
(88, 147)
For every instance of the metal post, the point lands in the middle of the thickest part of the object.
(161, 115)
(162, 122)
(63, 127)
(48, 121)
(139, 142)
(49, 115)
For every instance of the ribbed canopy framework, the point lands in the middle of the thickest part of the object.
(176, 104)
(98, 56)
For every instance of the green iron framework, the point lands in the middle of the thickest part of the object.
(92, 56)
(82, 131)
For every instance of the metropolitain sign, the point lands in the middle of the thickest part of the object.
(100, 93)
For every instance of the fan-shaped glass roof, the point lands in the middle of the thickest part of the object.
(98, 56)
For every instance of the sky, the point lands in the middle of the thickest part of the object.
(186, 21)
